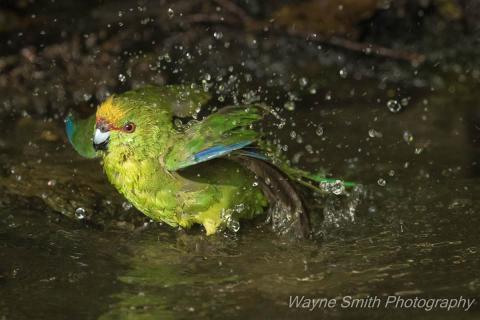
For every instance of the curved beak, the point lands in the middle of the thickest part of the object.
(101, 138)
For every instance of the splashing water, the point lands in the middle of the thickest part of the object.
(229, 219)
(284, 220)
(341, 210)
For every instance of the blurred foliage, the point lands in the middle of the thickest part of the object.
(56, 55)
(327, 17)
(449, 9)
(332, 17)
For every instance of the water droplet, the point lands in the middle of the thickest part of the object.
(309, 148)
(338, 188)
(121, 77)
(381, 182)
(255, 184)
(80, 213)
(319, 131)
(343, 73)
(218, 35)
(234, 225)
(407, 136)
(51, 183)
(240, 207)
(230, 222)
(126, 206)
(170, 13)
(394, 106)
(289, 105)
(303, 81)
(177, 123)
(328, 96)
(372, 133)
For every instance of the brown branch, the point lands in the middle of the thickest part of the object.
(366, 48)
(254, 25)
(236, 10)
(204, 18)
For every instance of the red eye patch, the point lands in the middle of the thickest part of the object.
(106, 126)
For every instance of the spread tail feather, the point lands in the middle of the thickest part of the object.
(287, 208)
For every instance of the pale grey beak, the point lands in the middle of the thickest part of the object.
(100, 139)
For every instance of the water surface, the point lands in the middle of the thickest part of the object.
(71, 247)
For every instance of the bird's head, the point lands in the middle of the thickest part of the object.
(125, 125)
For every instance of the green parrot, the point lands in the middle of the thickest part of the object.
(212, 172)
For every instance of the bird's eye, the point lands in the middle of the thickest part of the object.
(129, 127)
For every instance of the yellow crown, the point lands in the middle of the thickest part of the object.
(110, 112)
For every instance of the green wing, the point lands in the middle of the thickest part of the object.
(80, 134)
(182, 100)
(217, 135)
(230, 131)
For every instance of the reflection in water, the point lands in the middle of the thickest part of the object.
(400, 249)
(49, 267)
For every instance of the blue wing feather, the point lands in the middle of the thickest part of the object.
(79, 133)
(217, 151)
(239, 148)
(69, 127)
(253, 154)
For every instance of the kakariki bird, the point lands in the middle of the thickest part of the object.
(182, 170)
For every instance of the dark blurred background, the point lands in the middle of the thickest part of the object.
(55, 55)
(61, 55)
